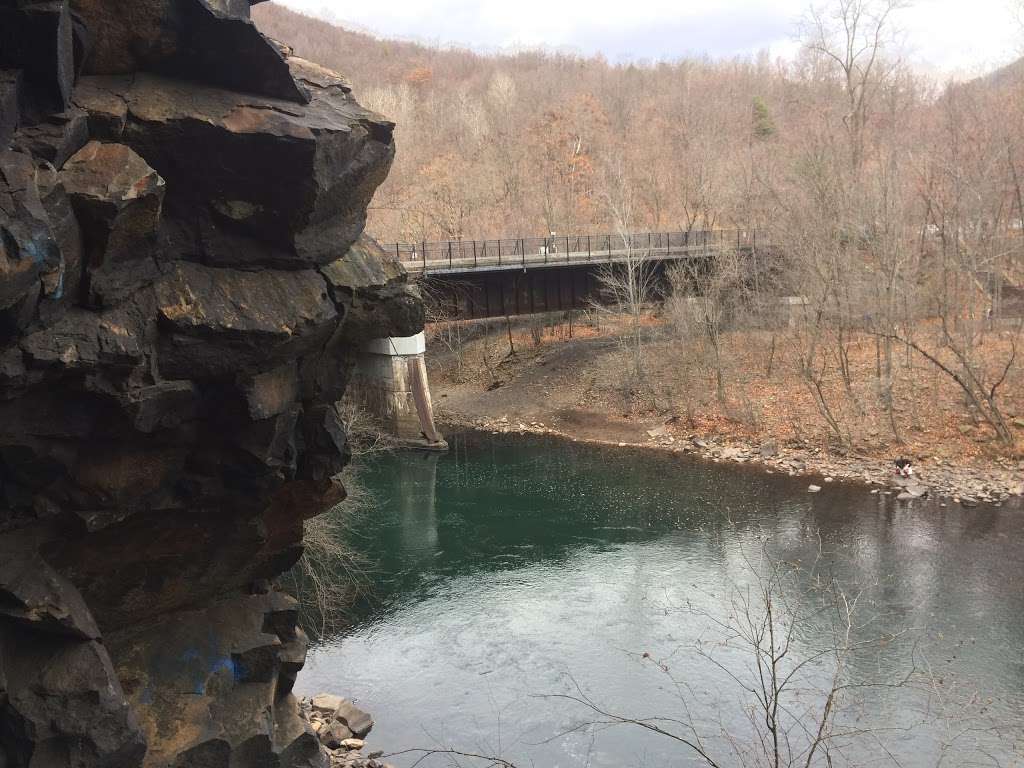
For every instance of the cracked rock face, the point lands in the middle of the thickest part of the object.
(184, 283)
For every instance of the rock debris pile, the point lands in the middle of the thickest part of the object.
(342, 729)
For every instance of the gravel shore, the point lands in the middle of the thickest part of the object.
(938, 478)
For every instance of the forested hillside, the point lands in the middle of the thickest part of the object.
(534, 142)
(893, 202)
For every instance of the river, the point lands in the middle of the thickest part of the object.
(516, 576)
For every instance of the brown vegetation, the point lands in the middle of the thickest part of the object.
(894, 204)
(583, 386)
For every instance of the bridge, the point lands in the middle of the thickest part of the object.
(509, 254)
(476, 279)
(469, 279)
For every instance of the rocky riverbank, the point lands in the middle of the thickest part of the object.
(936, 477)
(342, 729)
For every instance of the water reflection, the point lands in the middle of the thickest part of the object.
(413, 489)
(512, 568)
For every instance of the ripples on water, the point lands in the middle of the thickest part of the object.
(514, 569)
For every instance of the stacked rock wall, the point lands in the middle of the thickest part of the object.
(184, 283)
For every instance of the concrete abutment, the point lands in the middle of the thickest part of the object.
(392, 383)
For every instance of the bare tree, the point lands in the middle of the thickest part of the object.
(628, 282)
(855, 36)
(331, 574)
(800, 699)
(706, 294)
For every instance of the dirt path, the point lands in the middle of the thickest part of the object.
(558, 385)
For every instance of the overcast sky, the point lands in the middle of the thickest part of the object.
(953, 36)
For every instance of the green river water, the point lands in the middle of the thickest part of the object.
(514, 571)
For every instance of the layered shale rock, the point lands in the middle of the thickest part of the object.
(184, 284)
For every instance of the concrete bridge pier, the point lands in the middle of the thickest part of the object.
(393, 384)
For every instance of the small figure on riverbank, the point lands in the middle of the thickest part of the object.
(904, 467)
(908, 486)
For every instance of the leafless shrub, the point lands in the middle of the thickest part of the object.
(799, 697)
(707, 294)
(364, 432)
(331, 573)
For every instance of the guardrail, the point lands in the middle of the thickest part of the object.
(555, 250)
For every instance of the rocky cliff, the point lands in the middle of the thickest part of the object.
(183, 284)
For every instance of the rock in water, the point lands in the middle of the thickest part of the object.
(334, 734)
(184, 279)
(909, 488)
(359, 722)
(326, 703)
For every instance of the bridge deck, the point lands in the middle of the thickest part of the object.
(462, 256)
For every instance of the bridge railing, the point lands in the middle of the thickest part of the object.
(567, 249)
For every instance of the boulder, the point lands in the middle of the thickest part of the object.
(208, 41)
(118, 199)
(359, 722)
(102, 99)
(226, 322)
(909, 488)
(373, 288)
(163, 405)
(212, 147)
(273, 442)
(292, 657)
(63, 704)
(34, 595)
(326, 703)
(334, 734)
(169, 555)
(84, 340)
(56, 137)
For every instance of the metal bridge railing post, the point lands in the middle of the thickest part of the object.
(424, 244)
(449, 254)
